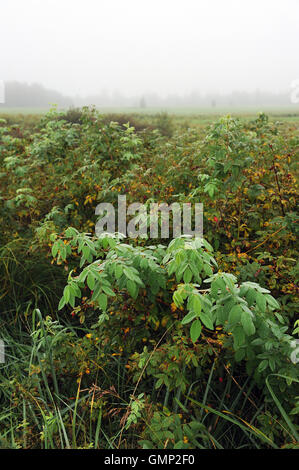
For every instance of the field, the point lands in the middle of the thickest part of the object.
(150, 343)
(191, 114)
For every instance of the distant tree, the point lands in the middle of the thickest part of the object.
(33, 95)
(2, 91)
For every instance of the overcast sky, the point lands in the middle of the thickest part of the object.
(163, 46)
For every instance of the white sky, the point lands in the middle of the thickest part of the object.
(164, 46)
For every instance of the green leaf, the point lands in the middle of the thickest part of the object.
(177, 298)
(118, 271)
(272, 364)
(61, 303)
(263, 365)
(187, 275)
(107, 290)
(239, 355)
(195, 330)
(91, 281)
(143, 263)
(207, 320)
(63, 253)
(66, 294)
(196, 304)
(54, 249)
(261, 301)
(86, 252)
(102, 300)
(271, 301)
(247, 324)
(239, 337)
(235, 314)
(181, 270)
(189, 317)
(128, 273)
(132, 288)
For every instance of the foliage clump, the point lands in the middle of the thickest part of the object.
(185, 343)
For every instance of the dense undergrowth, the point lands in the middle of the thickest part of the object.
(121, 343)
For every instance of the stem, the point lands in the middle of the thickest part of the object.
(166, 398)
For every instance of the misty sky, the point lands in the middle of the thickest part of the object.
(163, 46)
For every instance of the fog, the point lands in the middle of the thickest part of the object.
(162, 47)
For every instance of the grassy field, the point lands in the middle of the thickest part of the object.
(148, 343)
(285, 112)
(291, 112)
(180, 118)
